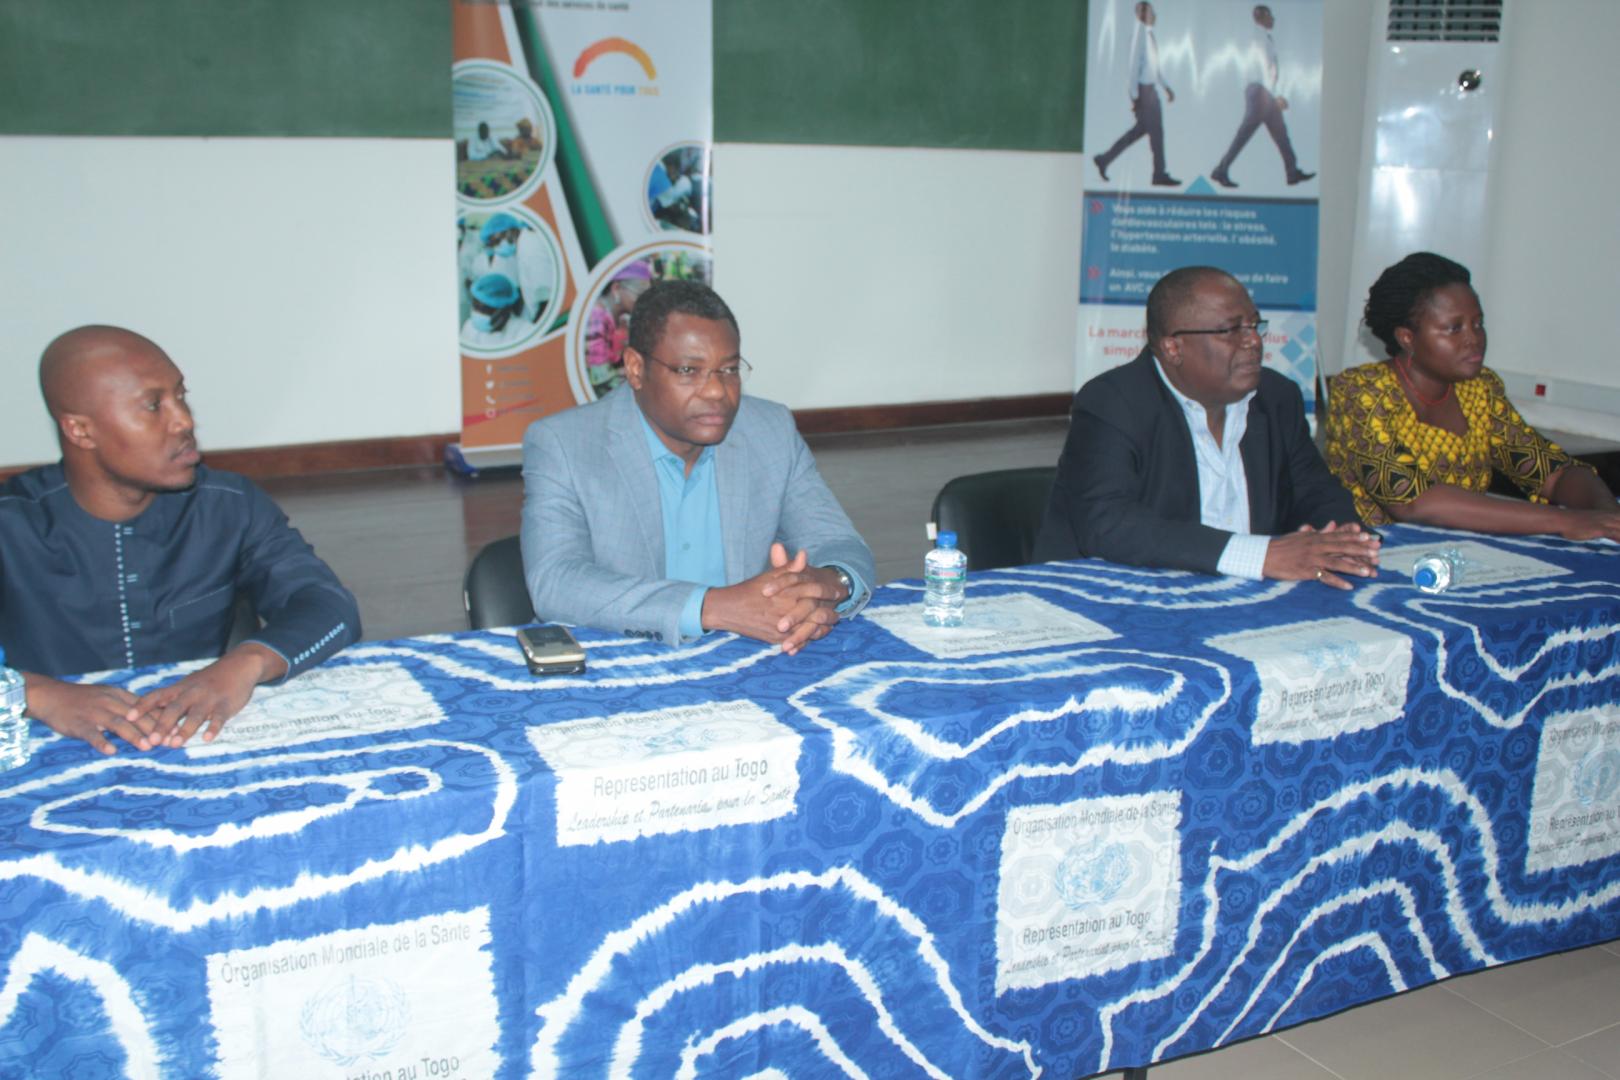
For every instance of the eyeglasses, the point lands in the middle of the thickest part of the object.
(691, 375)
(1231, 333)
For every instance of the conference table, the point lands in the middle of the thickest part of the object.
(1118, 817)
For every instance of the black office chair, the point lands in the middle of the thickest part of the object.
(995, 515)
(494, 592)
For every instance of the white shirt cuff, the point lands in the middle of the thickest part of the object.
(1244, 556)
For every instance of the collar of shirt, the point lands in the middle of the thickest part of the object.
(1223, 487)
(693, 545)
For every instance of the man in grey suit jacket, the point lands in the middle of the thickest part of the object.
(1194, 457)
(675, 505)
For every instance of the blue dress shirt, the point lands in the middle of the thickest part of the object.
(693, 545)
(693, 549)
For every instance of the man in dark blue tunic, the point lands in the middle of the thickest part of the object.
(131, 552)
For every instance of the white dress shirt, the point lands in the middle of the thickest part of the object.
(1223, 484)
(1266, 51)
(1144, 60)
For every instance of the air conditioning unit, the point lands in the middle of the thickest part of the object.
(1433, 94)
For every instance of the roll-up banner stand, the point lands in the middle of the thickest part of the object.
(1202, 129)
(583, 137)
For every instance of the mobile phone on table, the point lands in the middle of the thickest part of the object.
(551, 650)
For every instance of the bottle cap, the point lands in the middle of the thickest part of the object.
(1424, 577)
(947, 539)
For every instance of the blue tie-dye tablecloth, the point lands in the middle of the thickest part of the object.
(1121, 817)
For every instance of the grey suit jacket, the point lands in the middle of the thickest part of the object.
(593, 528)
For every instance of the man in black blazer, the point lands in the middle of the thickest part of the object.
(1195, 457)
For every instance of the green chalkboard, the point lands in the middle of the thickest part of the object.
(377, 68)
(991, 74)
(983, 74)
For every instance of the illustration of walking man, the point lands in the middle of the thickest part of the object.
(1262, 105)
(1143, 84)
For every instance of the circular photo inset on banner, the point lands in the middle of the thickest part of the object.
(678, 189)
(509, 267)
(600, 327)
(504, 132)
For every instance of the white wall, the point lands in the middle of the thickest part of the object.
(860, 276)
(879, 276)
(306, 287)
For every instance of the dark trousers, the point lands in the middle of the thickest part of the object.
(1260, 107)
(1149, 122)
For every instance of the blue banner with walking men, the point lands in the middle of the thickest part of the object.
(1202, 125)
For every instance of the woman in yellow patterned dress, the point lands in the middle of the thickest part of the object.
(1415, 437)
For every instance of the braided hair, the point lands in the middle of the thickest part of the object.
(1401, 291)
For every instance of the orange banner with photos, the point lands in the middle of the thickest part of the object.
(583, 143)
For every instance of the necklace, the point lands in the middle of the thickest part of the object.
(1406, 377)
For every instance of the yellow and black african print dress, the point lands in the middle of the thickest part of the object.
(1384, 454)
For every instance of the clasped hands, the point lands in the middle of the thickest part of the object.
(789, 604)
(167, 716)
(1324, 554)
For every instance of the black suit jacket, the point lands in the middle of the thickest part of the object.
(1127, 482)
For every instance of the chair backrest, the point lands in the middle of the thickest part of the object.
(995, 515)
(494, 592)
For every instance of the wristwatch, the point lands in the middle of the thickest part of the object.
(845, 580)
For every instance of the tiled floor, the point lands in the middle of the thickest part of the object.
(1556, 1018)
(402, 538)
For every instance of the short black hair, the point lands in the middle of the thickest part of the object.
(1401, 290)
(1172, 293)
(666, 298)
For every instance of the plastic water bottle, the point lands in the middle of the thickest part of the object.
(1437, 571)
(13, 724)
(945, 581)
